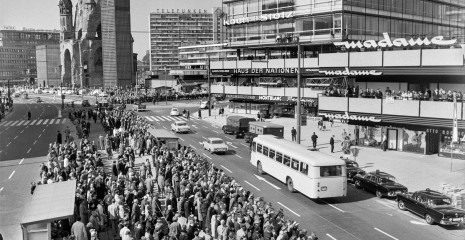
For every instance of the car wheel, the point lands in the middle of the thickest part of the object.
(259, 168)
(401, 205)
(290, 184)
(429, 219)
(358, 184)
(379, 194)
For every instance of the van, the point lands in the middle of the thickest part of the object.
(237, 125)
(264, 128)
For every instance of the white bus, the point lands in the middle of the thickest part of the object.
(314, 174)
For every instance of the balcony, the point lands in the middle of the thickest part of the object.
(264, 91)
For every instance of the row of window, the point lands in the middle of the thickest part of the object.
(281, 158)
(12, 50)
(251, 8)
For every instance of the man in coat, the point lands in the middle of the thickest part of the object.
(78, 229)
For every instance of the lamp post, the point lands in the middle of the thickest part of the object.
(298, 111)
(166, 86)
(209, 89)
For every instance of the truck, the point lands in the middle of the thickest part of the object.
(264, 128)
(237, 125)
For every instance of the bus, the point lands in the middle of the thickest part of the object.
(314, 174)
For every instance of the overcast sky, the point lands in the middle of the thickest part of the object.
(44, 14)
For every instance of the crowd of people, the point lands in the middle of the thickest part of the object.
(427, 95)
(175, 194)
(133, 97)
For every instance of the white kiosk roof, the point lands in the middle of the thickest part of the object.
(50, 202)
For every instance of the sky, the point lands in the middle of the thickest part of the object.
(44, 14)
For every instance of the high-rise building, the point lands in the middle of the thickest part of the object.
(48, 65)
(18, 52)
(172, 28)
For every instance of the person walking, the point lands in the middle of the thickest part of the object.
(29, 115)
(294, 134)
(200, 113)
(331, 143)
(188, 114)
(314, 138)
(59, 138)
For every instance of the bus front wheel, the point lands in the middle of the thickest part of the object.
(259, 168)
(290, 184)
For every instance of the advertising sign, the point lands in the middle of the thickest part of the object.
(354, 117)
(263, 71)
(347, 72)
(261, 18)
(397, 42)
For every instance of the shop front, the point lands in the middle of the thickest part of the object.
(402, 133)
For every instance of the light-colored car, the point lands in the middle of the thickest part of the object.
(174, 112)
(215, 145)
(180, 127)
(103, 94)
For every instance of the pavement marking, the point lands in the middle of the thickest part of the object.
(230, 143)
(225, 168)
(16, 136)
(389, 214)
(33, 122)
(11, 175)
(8, 144)
(13, 123)
(204, 138)
(28, 151)
(21, 161)
(164, 127)
(45, 122)
(194, 126)
(327, 234)
(165, 118)
(181, 138)
(21, 123)
(1, 189)
(228, 138)
(238, 156)
(377, 229)
(385, 204)
(216, 131)
(245, 145)
(192, 146)
(43, 130)
(34, 142)
(207, 156)
(284, 206)
(271, 184)
(1, 124)
(252, 185)
(22, 131)
(38, 122)
(331, 205)
(40, 135)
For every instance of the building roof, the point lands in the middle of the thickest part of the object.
(50, 202)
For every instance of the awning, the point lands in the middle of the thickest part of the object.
(50, 202)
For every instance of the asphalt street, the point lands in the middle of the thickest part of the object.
(23, 145)
(360, 215)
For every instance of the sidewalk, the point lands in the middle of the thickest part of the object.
(416, 171)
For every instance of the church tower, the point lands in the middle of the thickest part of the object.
(66, 20)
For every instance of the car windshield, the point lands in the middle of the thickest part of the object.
(181, 124)
(217, 141)
(351, 164)
(439, 202)
(387, 179)
(174, 109)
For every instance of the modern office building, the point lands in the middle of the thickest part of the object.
(18, 52)
(403, 45)
(173, 28)
(48, 65)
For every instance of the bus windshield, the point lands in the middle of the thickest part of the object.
(330, 171)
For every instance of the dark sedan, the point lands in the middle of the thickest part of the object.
(434, 206)
(352, 170)
(380, 183)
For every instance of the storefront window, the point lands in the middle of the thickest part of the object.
(414, 141)
(369, 136)
(457, 149)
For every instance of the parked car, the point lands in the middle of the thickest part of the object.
(205, 105)
(16, 95)
(39, 100)
(380, 183)
(180, 127)
(237, 125)
(215, 145)
(174, 112)
(352, 170)
(434, 206)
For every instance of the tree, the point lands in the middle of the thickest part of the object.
(146, 58)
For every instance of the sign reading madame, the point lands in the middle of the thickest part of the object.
(398, 42)
(347, 72)
(261, 18)
(346, 116)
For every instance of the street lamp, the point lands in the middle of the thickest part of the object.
(166, 86)
(298, 112)
(209, 89)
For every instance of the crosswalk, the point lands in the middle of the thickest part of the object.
(33, 122)
(164, 118)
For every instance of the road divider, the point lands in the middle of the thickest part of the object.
(385, 233)
(263, 179)
(252, 185)
(225, 168)
(290, 210)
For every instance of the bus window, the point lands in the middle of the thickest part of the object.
(287, 160)
(271, 155)
(295, 164)
(259, 148)
(265, 151)
(330, 171)
(304, 168)
(254, 145)
(279, 157)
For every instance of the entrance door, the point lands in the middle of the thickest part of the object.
(392, 139)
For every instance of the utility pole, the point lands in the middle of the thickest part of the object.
(209, 89)
(62, 99)
(298, 112)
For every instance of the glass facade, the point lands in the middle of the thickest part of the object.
(260, 21)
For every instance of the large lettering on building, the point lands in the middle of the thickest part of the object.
(261, 18)
(397, 42)
(346, 116)
(347, 72)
